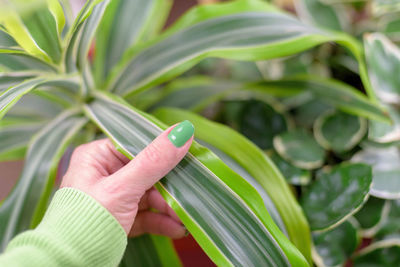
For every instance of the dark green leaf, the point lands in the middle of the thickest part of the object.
(292, 174)
(150, 251)
(371, 213)
(380, 254)
(258, 121)
(334, 247)
(339, 131)
(389, 228)
(336, 195)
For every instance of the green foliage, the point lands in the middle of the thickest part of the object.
(289, 109)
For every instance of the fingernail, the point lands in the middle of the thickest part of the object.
(181, 133)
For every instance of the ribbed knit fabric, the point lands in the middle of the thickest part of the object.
(76, 231)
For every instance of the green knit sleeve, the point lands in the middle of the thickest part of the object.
(76, 231)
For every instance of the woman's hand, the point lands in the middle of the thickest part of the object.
(125, 188)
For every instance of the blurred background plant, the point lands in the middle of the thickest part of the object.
(318, 98)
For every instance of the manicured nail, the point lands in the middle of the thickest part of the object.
(181, 133)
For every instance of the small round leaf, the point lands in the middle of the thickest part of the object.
(292, 174)
(379, 255)
(390, 227)
(300, 149)
(336, 195)
(339, 131)
(385, 164)
(257, 120)
(371, 213)
(334, 247)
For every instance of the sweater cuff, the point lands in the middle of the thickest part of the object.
(78, 224)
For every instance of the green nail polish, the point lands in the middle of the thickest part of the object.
(181, 133)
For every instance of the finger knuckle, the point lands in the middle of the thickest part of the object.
(153, 154)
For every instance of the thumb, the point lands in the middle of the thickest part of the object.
(158, 158)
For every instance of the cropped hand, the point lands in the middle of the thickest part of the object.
(125, 187)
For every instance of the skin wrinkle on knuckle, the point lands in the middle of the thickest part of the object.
(153, 154)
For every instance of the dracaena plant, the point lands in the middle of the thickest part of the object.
(107, 72)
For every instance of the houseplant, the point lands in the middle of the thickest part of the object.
(234, 200)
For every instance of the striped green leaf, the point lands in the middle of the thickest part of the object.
(12, 78)
(33, 107)
(25, 205)
(42, 26)
(81, 34)
(150, 251)
(252, 34)
(15, 26)
(194, 93)
(244, 36)
(332, 92)
(221, 210)
(125, 23)
(14, 137)
(11, 96)
(253, 165)
(6, 40)
(16, 59)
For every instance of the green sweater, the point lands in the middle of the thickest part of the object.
(76, 231)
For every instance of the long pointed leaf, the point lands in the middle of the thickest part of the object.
(12, 95)
(125, 23)
(17, 59)
(255, 35)
(257, 165)
(14, 137)
(15, 26)
(221, 210)
(247, 35)
(26, 204)
(82, 33)
(42, 26)
(332, 92)
(10, 79)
